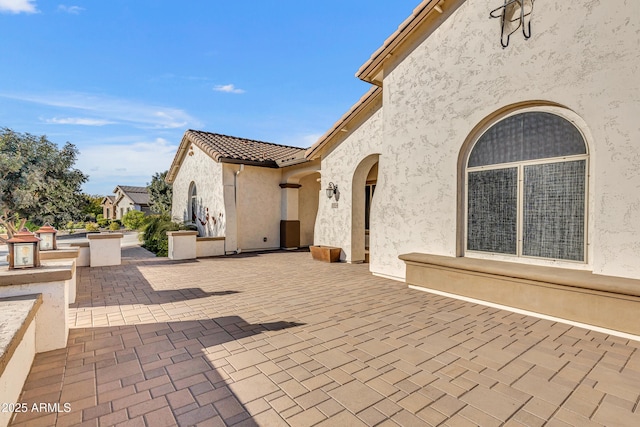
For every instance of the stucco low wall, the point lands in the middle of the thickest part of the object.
(52, 328)
(17, 348)
(64, 256)
(579, 296)
(105, 249)
(182, 244)
(209, 246)
(84, 253)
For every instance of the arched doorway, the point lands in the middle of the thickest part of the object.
(364, 182)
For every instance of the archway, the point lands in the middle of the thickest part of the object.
(363, 186)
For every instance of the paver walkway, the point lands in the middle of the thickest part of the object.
(278, 339)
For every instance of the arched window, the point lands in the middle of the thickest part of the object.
(526, 189)
(193, 202)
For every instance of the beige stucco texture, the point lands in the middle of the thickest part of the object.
(578, 63)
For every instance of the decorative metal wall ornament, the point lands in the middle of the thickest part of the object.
(513, 14)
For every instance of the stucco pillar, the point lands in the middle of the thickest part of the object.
(290, 223)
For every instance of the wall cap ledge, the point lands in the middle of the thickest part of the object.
(561, 276)
(42, 274)
(98, 236)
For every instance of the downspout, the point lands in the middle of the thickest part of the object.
(235, 199)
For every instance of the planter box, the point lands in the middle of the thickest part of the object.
(325, 253)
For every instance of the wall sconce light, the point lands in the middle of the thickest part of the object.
(23, 250)
(331, 190)
(47, 235)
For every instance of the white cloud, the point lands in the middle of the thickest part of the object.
(133, 163)
(110, 109)
(230, 88)
(74, 10)
(83, 121)
(18, 6)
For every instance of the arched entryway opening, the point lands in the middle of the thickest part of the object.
(364, 183)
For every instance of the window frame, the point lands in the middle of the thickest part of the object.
(520, 165)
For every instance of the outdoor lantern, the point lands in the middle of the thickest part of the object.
(23, 250)
(47, 235)
(331, 190)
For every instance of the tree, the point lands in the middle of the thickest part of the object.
(37, 179)
(160, 194)
(91, 206)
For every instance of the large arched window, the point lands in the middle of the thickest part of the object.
(193, 202)
(526, 189)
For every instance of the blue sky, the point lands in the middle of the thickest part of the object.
(123, 79)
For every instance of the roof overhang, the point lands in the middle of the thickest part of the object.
(425, 17)
(177, 159)
(346, 123)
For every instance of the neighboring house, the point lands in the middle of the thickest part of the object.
(257, 195)
(126, 198)
(108, 209)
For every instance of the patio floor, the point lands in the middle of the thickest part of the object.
(279, 339)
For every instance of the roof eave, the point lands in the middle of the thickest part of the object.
(342, 124)
(372, 70)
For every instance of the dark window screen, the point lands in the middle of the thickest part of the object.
(554, 210)
(527, 136)
(492, 211)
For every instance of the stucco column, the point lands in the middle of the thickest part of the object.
(290, 223)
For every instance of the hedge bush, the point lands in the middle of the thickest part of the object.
(133, 220)
(155, 237)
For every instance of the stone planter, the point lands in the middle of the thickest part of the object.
(325, 253)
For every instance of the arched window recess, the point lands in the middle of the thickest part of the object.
(526, 189)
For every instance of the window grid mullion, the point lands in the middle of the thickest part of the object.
(520, 211)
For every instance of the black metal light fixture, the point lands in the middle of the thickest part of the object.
(513, 15)
(331, 190)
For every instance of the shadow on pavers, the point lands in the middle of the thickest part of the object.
(174, 368)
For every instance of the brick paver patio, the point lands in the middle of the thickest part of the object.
(278, 339)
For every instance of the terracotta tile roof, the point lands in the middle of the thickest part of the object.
(231, 149)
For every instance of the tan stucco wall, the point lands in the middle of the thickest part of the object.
(459, 76)
(207, 175)
(308, 198)
(333, 224)
(258, 208)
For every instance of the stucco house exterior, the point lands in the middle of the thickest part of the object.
(495, 157)
(125, 199)
(514, 166)
(255, 194)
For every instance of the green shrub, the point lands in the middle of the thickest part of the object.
(114, 226)
(91, 226)
(133, 220)
(155, 237)
(31, 226)
(102, 222)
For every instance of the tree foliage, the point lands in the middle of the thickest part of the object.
(133, 220)
(38, 180)
(160, 194)
(91, 206)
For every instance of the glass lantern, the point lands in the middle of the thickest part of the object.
(23, 250)
(47, 235)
